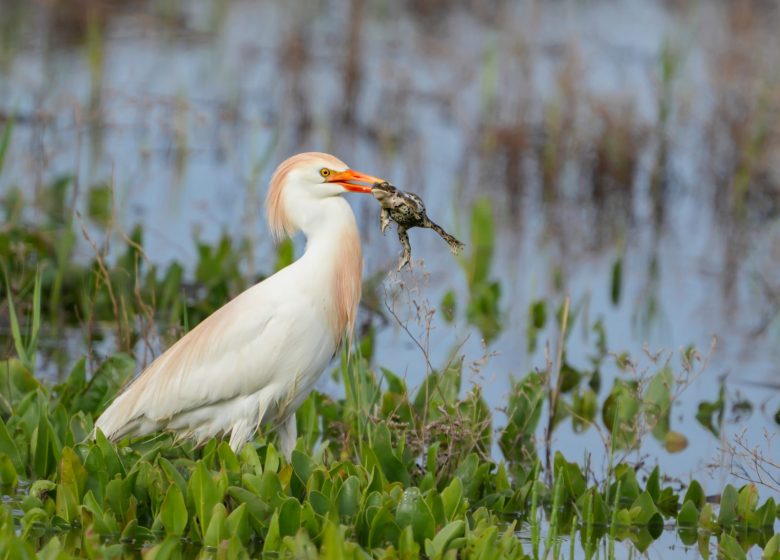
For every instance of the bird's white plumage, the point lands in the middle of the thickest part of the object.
(255, 359)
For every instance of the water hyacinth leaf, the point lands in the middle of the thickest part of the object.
(452, 498)
(67, 507)
(348, 497)
(383, 528)
(772, 549)
(237, 524)
(9, 449)
(215, 532)
(695, 494)
(729, 499)
(391, 465)
(524, 411)
(689, 515)
(45, 447)
(710, 414)
(113, 463)
(584, 408)
(302, 466)
(8, 476)
(747, 500)
(227, 459)
(272, 460)
(414, 512)
(169, 549)
(258, 511)
(619, 413)
(439, 545)
(764, 516)
(657, 401)
(729, 547)
(205, 494)
(289, 517)
(173, 512)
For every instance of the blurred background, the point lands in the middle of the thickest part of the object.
(626, 154)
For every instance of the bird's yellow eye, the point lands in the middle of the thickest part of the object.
(324, 171)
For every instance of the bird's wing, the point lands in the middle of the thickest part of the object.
(241, 348)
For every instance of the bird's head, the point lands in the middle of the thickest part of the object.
(309, 177)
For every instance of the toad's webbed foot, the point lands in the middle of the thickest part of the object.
(406, 258)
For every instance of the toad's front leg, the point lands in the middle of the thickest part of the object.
(406, 258)
(384, 219)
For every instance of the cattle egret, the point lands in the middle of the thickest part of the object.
(254, 360)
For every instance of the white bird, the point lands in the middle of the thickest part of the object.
(254, 360)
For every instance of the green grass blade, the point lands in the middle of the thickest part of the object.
(5, 141)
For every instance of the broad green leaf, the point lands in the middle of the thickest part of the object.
(237, 524)
(391, 466)
(215, 533)
(349, 496)
(173, 512)
(205, 494)
(289, 517)
(728, 506)
(413, 511)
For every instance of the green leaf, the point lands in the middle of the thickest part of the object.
(9, 449)
(728, 506)
(619, 413)
(237, 523)
(695, 494)
(5, 141)
(169, 549)
(443, 538)
(289, 517)
(8, 476)
(689, 515)
(391, 466)
(349, 496)
(452, 498)
(302, 465)
(173, 512)
(413, 511)
(205, 494)
(747, 500)
(729, 548)
(772, 549)
(617, 280)
(215, 533)
(657, 402)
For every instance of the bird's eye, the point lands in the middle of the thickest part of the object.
(324, 171)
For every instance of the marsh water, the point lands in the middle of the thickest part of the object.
(608, 136)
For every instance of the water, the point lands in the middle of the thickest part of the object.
(187, 111)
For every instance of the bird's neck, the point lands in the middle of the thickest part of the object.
(334, 258)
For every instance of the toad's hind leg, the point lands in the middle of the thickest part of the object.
(403, 237)
(455, 245)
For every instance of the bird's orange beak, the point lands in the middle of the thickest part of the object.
(354, 181)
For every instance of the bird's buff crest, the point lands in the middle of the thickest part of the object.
(279, 221)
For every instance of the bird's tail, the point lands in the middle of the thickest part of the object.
(455, 245)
